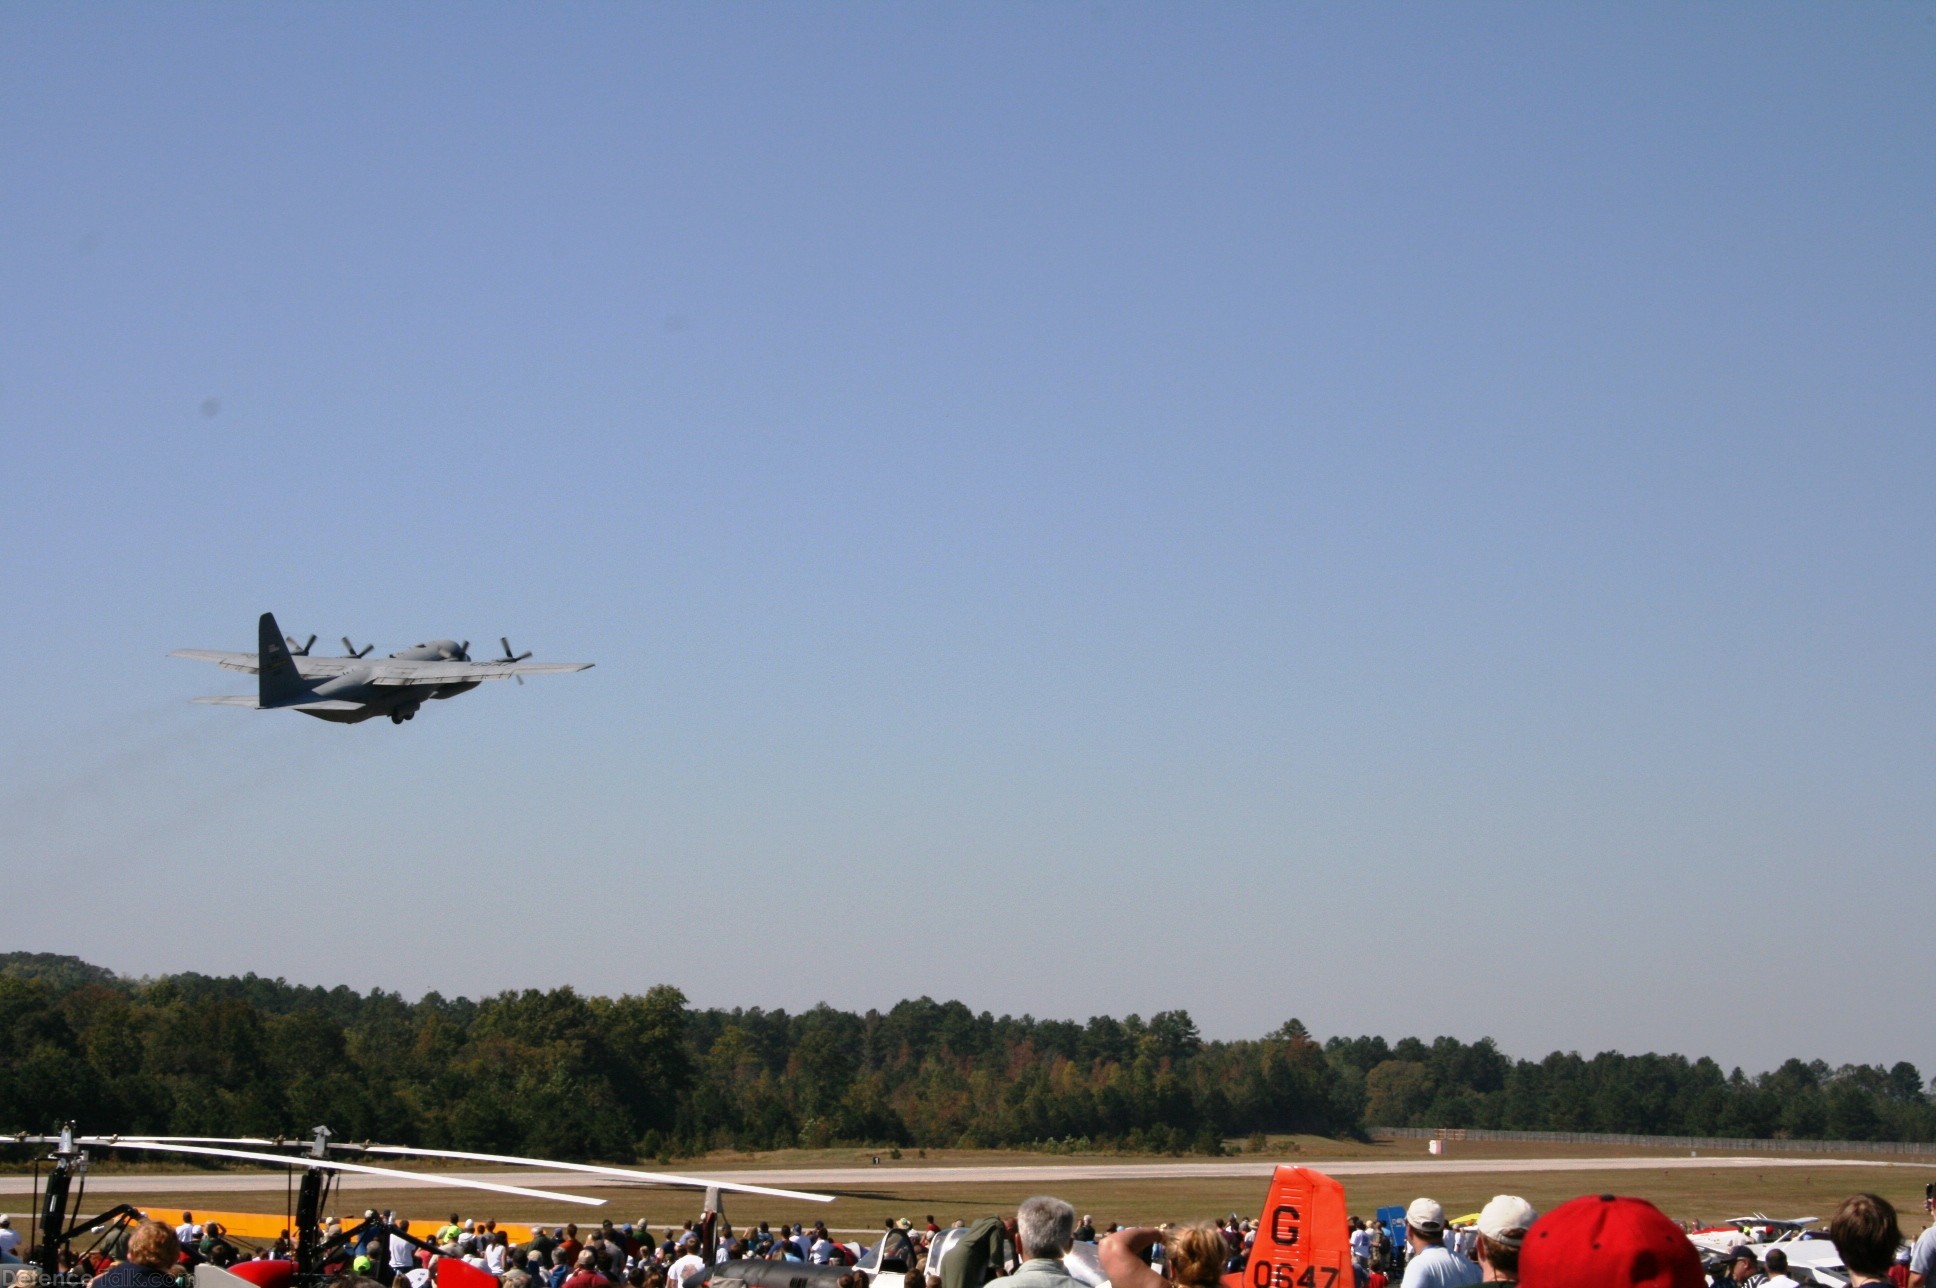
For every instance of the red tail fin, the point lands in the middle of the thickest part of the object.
(449, 1272)
(1302, 1240)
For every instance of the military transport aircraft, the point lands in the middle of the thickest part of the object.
(348, 689)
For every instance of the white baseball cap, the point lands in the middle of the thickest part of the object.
(1425, 1214)
(1506, 1219)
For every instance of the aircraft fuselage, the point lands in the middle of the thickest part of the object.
(397, 702)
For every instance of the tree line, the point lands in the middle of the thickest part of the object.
(638, 1077)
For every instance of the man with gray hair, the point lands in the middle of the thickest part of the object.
(1046, 1229)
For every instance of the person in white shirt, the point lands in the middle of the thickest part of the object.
(188, 1233)
(1432, 1264)
(688, 1264)
(403, 1253)
(1361, 1253)
(1775, 1263)
(9, 1240)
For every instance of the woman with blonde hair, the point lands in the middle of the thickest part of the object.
(1192, 1254)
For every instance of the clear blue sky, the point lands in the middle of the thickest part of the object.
(1413, 517)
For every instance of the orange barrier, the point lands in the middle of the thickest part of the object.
(256, 1227)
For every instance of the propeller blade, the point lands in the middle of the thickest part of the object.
(509, 656)
(330, 1164)
(353, 651)
(464, 651)
(299, 650)
(656, 1178)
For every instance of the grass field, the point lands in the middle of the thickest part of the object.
(1308, 1150)
(1696, 1193)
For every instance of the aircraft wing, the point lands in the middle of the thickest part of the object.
(308, 667)
(250, 663)
(249, 700)
(246, 662)
(393, 671)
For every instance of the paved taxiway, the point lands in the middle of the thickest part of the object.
(849, 1178)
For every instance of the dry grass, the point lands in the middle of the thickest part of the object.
(1311, 1151)
(1300, 1149)
(1683, 1193)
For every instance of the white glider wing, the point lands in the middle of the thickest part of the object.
(330, 1164)
(654, 1178)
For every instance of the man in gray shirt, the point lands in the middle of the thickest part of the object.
(1922, 1261)
(1046, 1229)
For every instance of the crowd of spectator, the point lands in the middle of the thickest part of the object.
(1592, 1242)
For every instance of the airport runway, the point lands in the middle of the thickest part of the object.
(849, 1178)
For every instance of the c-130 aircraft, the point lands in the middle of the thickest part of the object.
(350, 689)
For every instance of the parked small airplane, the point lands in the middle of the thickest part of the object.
(348, 689)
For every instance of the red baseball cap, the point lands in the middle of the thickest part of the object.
(1599, 1241)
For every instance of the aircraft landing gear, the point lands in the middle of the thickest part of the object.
(402, 714)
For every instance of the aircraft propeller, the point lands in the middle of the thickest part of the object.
(353, 651)
(511, 657)
(298, 650)
(464, 651)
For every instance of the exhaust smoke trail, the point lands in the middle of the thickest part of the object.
(121, 751)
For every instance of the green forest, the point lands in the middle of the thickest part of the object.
(632, 1078)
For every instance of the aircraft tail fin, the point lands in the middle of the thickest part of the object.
(1304, 1239)
(279, 683)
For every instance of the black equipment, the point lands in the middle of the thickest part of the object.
(52, 1232)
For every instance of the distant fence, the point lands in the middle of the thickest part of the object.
(1924, 1149)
